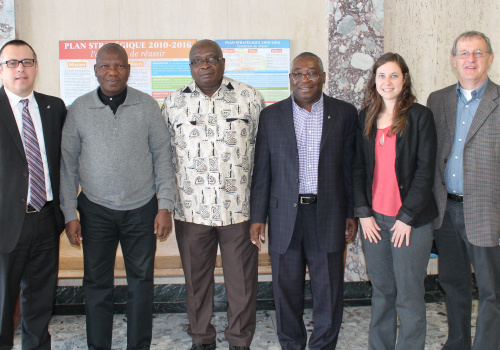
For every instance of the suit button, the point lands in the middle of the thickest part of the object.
(297, 157)
(445, 160)
(23, 200)
(25, 174)
(443, 183)
(297, 180)
(401, 187)
(295, 205)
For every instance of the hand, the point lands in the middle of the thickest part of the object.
(257, 233)
(370, 229)
(351, 229)
(163, 223)
(74, 232)
(401, 231)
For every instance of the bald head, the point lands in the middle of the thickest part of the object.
(112, 47)
(204, 46)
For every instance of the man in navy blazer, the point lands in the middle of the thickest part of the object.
(302, 183)
(29, 227)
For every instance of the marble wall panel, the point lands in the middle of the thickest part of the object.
(355, 41)
(7, 21)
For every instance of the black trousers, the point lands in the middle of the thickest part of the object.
(326, 271)
(102, 230)
(32, 265)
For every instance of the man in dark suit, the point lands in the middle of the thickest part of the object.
(30, 219)
(467, 191)
(302, 182)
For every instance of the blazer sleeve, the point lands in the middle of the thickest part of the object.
(362, 208)
(419, 193)
(261, 177)
(349, 149)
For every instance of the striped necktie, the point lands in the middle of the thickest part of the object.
(35, 165)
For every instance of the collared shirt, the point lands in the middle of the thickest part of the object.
(112, 101)
(465, 114)
(308, 129)
(17, 109)
(213, 140)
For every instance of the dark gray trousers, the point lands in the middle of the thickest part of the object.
(397, 276)
(326, 271)
(455, 257)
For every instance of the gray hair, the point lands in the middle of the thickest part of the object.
(468, 35)
(308, 54)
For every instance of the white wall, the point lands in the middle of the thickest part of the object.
(423, 32)
(43, 23)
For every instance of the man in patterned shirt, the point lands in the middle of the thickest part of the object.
(213, 122)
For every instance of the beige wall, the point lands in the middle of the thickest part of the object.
(43, 23)
(423, 33)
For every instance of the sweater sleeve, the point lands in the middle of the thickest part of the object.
(70, 179)
(159, 146)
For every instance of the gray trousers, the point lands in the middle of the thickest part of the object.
(455, 257)
(397, 276)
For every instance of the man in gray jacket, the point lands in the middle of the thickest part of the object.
(466, 188)
(116, 146)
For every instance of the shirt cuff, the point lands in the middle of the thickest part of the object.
(166, 204)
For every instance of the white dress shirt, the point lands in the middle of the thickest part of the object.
(17, 109)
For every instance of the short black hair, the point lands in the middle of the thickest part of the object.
(18, 42)
(112, 47)
(309, 54)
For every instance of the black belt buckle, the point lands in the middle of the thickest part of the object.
(456, 197)
(308, 198)
(30, 209)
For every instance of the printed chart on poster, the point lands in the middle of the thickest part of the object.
(263, 64)
(158, 67)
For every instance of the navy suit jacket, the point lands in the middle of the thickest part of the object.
(275, 179)
(14, 176)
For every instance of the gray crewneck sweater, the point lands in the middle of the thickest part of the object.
(119, 160)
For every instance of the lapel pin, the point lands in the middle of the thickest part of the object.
(48, 106)
(329, 117)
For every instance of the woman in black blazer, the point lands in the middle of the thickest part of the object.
(393, 174)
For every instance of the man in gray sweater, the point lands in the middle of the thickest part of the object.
(116, 146)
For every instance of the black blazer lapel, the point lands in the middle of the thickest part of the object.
(7, 117)
(286, 120)
(329, 112)
(47, 125)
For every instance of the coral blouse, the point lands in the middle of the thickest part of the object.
(386, 198)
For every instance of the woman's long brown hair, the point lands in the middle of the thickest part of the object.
(373, 102)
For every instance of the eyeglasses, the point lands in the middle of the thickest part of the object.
(299, 76)
(211, 61)
(27, 62)
(465, 54)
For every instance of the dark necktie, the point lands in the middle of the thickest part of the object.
(35, 165)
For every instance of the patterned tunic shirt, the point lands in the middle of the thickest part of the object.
(213, 140)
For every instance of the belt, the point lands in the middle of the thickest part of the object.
(308, 198)
(456, 197)
(31, 210)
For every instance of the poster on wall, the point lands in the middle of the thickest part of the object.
(158, 67)
(263, 64)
